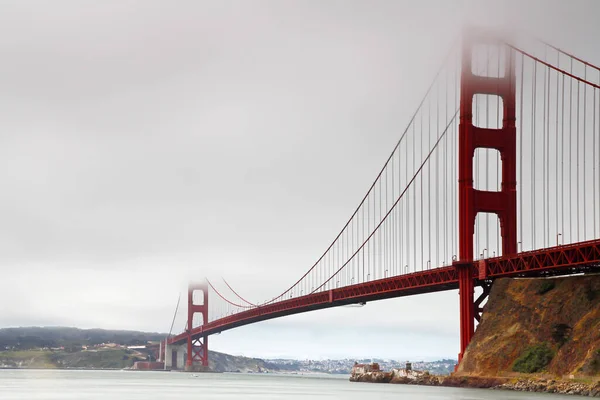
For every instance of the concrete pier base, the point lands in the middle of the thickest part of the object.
(197, 368)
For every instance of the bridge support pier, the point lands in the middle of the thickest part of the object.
(174, 356)
(466, 288)
(197, 354)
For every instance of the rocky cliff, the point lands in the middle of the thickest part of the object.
(535, 335)
(547, 327)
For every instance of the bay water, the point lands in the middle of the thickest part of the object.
(138, 385)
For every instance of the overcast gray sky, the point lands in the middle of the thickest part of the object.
(147, 143)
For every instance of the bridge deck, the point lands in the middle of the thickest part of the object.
(567, 259)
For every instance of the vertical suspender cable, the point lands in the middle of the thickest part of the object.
(429, 210)
(520, 193)
(547, 150)
(577, 160)
(344, 277)
(412, 232)
(487, 152)
(392, 227)
(455, 163)
(562, 159)
(594, 162)
(477, 181)
(353, 275)
(437, 187)
(446, 192)
(427, 188)
(544, 189)
(400, 238)
(499, 125)
(570, 177)
(379, 237)
(584, 148)
(421, 196)
(533, 189)
(370, 245)
(556, 163)
(408, 213)
(363, 240)
(387, 225)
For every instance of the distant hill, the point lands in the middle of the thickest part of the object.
(221, 362)
(61, 347)
(28, 338)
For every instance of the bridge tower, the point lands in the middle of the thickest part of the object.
(197, 348)
(471, 201)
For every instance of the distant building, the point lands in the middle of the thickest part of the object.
(407, 372)
(364, 368)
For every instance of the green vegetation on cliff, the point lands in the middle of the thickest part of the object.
(535, 359)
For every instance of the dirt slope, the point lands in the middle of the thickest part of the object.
(562, 313)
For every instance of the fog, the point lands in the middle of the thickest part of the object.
(144, 144)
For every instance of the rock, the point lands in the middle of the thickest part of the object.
(552, 386)
(372, 377)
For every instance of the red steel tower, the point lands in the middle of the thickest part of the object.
(197, 349)
(472, 201)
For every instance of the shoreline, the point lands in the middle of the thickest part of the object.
(590, 388)
(285, 373)
(77, 369)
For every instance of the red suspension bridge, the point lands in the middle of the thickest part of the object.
(516, 123)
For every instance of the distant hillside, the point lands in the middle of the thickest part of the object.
(221, 362)
(550, 326)
(81, 359)
(39, 337)
(118, 358)
(61, 347)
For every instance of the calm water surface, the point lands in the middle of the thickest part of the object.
(132, 385)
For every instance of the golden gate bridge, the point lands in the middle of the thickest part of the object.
(495, 175)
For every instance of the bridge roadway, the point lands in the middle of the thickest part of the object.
(565, 259)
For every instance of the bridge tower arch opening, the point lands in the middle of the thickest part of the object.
(197, 347)
(502, 138)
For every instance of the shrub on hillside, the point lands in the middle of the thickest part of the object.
(545, 286)
(561, 333)
(534, 359)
